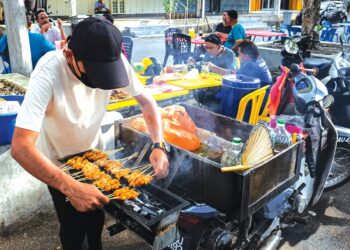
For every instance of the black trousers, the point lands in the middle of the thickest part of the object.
(77, 230)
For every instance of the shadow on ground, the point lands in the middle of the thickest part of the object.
(328, 230)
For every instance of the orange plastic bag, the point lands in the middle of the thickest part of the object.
(178, 127)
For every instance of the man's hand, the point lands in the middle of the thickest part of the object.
(45, 28)
(59, 23)
(159, 161)
(85, 197)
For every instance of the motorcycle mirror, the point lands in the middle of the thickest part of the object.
(291, 46)
(328, 101)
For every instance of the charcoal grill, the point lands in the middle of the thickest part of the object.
(153, 216)
(197, 178)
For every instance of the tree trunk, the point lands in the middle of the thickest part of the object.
(311, 17)
(17, 37)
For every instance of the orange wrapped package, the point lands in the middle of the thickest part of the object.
(178, 127)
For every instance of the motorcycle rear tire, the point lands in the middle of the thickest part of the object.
(338, 176)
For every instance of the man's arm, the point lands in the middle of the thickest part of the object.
(219, 70)
(222, 35)
(60, 27)
(83, 197)
(152, 117)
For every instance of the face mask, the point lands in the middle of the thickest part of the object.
(224, 20)
(83, 77)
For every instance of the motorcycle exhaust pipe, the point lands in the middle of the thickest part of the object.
(272, 242)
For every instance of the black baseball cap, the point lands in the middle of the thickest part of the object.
(212, 38)
(98, 44)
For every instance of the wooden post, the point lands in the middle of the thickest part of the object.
(73, 7)
(17, 37)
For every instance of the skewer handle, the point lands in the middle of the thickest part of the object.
(234, 168)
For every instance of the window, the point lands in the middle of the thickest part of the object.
(118, 6)
(267, 4)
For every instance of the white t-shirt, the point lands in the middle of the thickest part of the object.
(67, 113)
(53, 34)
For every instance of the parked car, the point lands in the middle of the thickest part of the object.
(333, 11)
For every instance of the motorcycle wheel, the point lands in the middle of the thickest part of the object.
(340, 172)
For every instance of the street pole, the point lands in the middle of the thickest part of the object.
(17, 37)
(73, 7)
(203, 9)
(277, 7)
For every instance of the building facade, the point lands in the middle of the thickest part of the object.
(257, 5)
(135, 7)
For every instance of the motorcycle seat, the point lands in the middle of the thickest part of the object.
(316, 63)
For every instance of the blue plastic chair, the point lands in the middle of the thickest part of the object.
(293, 31)
(328, 32)
(347, 32)
(128, 43)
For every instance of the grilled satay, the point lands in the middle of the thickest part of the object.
(122, 173)
(75, 160)
(125, 194)
(80, 164)
(95, 155)
(94, 175)
(107, 185)
(141, 180)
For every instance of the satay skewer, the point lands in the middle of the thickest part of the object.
(112, 152)
(124, 160)
(140, 167)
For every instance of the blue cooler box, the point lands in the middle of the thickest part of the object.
(234, 87)
(8, 121)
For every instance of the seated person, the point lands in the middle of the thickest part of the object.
(252, 64)
(221, 60)
(225, 26)
(47, 28)
(237, 32)
(39, 46)
(101, 7)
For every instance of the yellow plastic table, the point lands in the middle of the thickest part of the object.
(113, 105)
(214, 80)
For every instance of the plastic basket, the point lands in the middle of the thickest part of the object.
(8, 121)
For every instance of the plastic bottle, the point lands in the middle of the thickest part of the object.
(205, 70)
(191, 33)
(232, 155)
(282, 138)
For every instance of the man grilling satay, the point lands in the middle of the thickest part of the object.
(61, 115)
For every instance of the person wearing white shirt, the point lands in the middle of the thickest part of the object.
(61, 115)
(45, 27)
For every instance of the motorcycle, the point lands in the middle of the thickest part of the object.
(202, 227)
(335, 75)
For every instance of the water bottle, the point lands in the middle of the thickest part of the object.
(232, 154)
(205, 70)
(282, 138)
